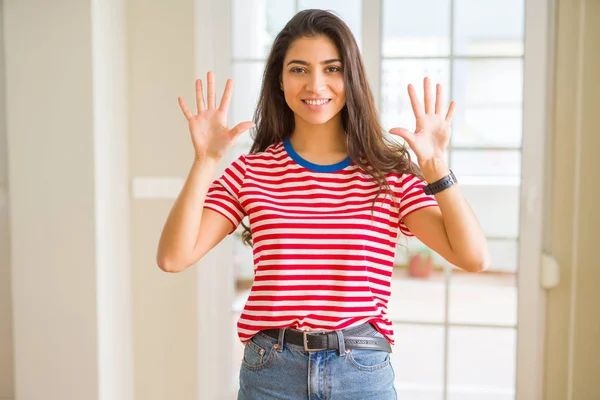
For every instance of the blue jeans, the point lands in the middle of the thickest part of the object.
(272, 369)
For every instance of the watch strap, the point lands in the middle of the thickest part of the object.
(440, 185)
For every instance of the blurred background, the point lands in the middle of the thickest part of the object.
(94, 150)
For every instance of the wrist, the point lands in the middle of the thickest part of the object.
(433, 170)
(206, 160)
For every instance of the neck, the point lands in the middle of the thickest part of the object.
(319, 140)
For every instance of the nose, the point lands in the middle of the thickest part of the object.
(316, 82)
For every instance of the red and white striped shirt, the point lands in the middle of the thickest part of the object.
(321, 261)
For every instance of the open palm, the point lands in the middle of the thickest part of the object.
(432, 131)
(210, 135)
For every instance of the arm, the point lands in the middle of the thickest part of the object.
(451, 230)
(179, 236)
(179, 245)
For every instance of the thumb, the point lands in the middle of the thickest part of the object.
(404, 134)
(241, 127)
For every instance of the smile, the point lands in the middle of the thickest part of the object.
(316, 103)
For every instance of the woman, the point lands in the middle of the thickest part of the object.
(325, 195)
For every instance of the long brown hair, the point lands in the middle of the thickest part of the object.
(368, 146)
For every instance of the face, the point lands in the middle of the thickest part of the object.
(313, 80)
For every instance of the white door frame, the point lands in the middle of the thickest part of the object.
(535, 190)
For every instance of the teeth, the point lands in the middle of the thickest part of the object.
(316, 102)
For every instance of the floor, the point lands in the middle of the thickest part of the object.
(480, 359)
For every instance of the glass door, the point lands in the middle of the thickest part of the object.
(456, 332)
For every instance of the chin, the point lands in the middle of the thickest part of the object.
(316, 119)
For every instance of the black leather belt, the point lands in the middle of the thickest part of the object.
(354, 338)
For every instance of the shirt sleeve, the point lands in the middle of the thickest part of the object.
(412, 198)
(223, 194)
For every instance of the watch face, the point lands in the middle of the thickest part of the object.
(453, 177)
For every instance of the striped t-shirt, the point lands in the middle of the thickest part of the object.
(321, 261)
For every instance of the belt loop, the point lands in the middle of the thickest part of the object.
(280, 340)
(341, 346)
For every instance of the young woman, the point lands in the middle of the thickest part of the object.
(325, 194)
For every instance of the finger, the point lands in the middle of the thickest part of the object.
(241, 127)
(210, 78)
(450, 111)
(226, 96)
(404, 134)
(199, 96)
(414, 101)
(427, 95)
(438, 98)
(184, 108)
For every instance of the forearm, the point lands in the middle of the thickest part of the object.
(465, 236)
(180, 232)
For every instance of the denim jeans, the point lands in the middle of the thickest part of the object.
(272, 369)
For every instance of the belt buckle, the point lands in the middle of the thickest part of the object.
(305, 342)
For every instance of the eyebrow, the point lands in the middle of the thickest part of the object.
(307, 63)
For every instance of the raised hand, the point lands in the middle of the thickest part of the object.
(432, 132)
(210, 135)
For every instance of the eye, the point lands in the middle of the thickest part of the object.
(297, 70)
(334, 68)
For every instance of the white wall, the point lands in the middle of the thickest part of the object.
(92, 103)
(160, 41)
(69, 234)
(51, 174)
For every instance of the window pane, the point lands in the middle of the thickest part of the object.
(489, 100)
(255, 23)
(481, 363)
(485, 298)
(504, 255)
(488, 27)
(496, 207)
(416, 28)
(486, 162)
(418, 361)
(350, 11)
(396, 110)
(413, 297)
(473, 127)
(247, 77)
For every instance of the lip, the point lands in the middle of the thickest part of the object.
(316, 107)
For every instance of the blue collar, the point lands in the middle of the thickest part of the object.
(314, 167)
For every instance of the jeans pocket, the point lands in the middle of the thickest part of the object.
(257, 355)
(367, 359)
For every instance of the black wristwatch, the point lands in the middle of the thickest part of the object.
(440, 185)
